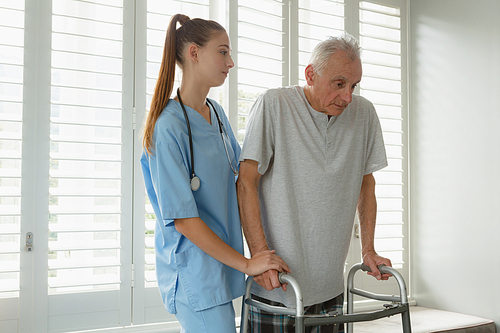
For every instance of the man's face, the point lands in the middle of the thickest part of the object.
(331, 92)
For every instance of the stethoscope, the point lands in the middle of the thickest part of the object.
(195, 181)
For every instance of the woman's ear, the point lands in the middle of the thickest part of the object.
(193, 50)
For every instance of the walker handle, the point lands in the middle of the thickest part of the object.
(366, 268)
(280, 277)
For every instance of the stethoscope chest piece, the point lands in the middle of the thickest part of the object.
(195, 183)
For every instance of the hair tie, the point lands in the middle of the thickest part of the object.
(183, 19)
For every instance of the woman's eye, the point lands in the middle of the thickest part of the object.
(224, 52)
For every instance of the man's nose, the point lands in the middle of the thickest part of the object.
(346, 95)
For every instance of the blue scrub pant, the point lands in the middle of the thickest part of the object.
(219, 319)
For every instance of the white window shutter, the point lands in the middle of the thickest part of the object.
(380, 37)
(317, 21)
(381, 34)
(11, 126)
(86, 185)
(260, 42)
(85, 138)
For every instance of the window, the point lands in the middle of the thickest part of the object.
(70, 148)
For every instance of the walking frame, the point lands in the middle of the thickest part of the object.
(399, 304)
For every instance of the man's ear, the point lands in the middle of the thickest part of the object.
(309, 74)
(193, 53)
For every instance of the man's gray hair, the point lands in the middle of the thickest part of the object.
(322, 53)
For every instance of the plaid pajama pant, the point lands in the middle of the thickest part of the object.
(261, 321)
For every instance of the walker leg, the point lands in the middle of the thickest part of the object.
(299, 325)
(244, 317)
(245, 308)
(405, 317)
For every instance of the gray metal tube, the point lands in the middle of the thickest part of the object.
(271, 308)
(298, 311)
(389, 270)
(350, 296)
(403, 297)
(379, 297)
(405, 317)
(244, 307)
(299, 301)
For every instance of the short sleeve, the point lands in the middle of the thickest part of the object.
(258, 144)
(171, 182)
(376, 157)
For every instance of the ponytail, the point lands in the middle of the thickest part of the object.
(196, 31)
(164, 84)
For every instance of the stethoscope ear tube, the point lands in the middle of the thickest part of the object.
(195, 181)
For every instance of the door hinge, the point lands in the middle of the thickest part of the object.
(29, 242)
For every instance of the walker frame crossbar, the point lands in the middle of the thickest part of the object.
(399, 304)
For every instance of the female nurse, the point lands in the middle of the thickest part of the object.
(190, 166)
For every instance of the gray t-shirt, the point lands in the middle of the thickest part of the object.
(312, 169)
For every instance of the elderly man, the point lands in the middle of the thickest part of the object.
(306, 165)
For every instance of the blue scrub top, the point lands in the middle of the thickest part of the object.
(167, 177)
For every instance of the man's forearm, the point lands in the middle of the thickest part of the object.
(248, 201)
(367, 212)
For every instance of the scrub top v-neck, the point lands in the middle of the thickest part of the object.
(166, 173)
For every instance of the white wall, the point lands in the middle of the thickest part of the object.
(455, 155)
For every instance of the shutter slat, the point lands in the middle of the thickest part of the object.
(89, 245)
(83, 283)
(72, 264)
